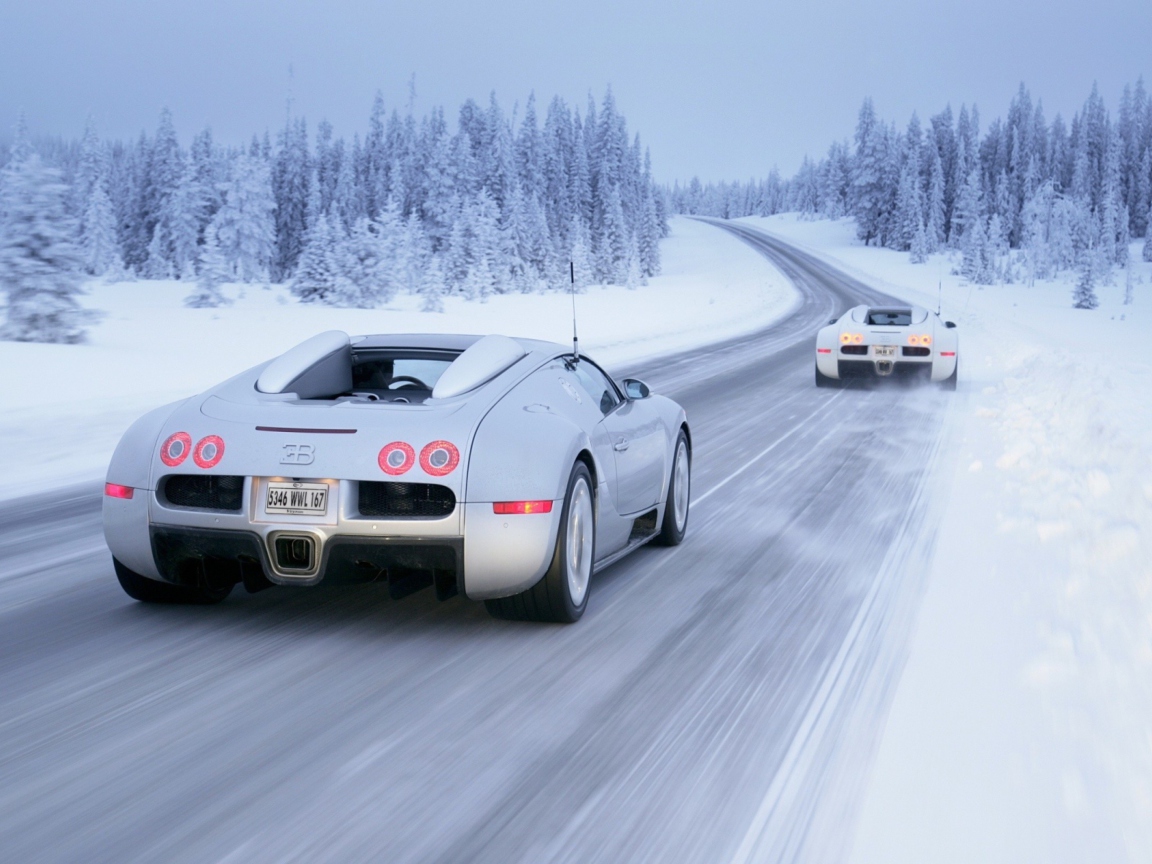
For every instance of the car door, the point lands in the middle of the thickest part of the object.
(637, 437)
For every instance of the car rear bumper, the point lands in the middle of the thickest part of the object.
(471, 551)
(900, 370)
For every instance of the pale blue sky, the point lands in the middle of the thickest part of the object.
(723, 90)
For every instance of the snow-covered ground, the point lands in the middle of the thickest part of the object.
(1022, 727)
(64, 407)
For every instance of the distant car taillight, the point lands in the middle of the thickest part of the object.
(396, 458)
(176, 449)
(505, 508)
(209, 451)
(115, 490)
(439, 458)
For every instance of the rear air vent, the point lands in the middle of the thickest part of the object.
(853, 349)
(405, 500)
(910, 351)
(208, 492)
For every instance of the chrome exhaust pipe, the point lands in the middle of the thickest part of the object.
(884, 367)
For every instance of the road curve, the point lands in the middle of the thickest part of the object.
(717, 702)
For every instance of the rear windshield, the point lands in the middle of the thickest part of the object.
(399, 374)
(890, 317)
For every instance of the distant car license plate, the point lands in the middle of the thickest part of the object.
(885, 350)
(297, 499)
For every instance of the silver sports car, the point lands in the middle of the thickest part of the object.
(505, 470)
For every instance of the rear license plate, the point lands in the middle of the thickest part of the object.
(884, 350)
(297, 499)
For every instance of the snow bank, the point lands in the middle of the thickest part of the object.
(1022, 727)
(63, 408)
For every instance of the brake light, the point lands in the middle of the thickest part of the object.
(115, 490)
(396, 458)
(947, 353)
(209, 451)
(505, 508)
(823, 350)
(439, 458)
(176, 449)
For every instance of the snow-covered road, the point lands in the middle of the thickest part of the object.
(719, 702)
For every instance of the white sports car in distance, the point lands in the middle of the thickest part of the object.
(504, 470)
(887, 342)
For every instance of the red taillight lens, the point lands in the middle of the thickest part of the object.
(439, 458)
(176, 449)
(209, 451)
(505, 508)
(396, 458)
(115, 490)
(947, 353)
(823, 350)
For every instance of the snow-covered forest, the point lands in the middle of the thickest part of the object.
(499, 204)
(1027, 199)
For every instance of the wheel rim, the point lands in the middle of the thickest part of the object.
(680, 487)
(579, 544)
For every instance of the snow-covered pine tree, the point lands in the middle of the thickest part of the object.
(291, 177)
(101, 252)
(317, 273)
(244, 226)
(39, 263)
(581, 255)
(935, 207)
(1084, 295)
(869, 196)
(1146, 252)
(214, 272)
(918, 252)
(432, 287)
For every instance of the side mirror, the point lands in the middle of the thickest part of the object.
(635, 389)
(951, 325)
(833, 320)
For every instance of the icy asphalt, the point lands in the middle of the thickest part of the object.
(718, 702)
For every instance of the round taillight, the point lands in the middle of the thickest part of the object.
(439, 458)
(209, 451)
(176, 449)
(396, 458)
(845, 338)
(913, 340)
(925, 339)
(857, 338)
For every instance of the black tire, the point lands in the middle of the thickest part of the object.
(153, 591)
(823, 380)
(949, 383)
(551, 598)
(671, 529)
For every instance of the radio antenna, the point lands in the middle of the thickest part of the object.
(572, 291)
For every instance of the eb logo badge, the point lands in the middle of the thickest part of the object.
(298, 454)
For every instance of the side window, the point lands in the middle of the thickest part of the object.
(597, 385)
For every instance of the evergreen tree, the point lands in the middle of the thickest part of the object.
(1146, 252)
(214, 272)
(101, 252)
(1084, 296)
(918, 253)
(39, 264)
(432, 286)
(317, 273)
(244, 225)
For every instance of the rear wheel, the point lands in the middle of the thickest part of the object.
(679, 490)
(823, 380)
(561, 595)
(949, 383)
(153, 591)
